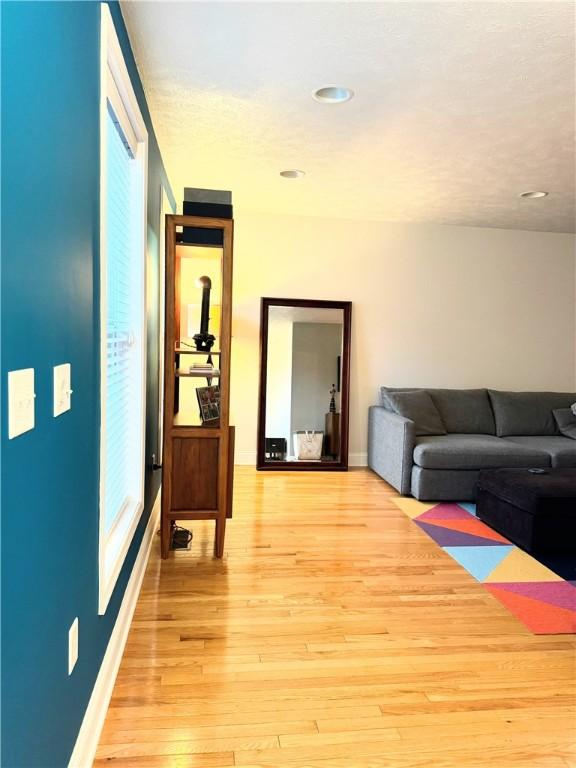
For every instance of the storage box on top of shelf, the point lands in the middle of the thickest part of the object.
(209, 203)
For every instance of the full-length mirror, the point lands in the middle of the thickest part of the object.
(304, 384)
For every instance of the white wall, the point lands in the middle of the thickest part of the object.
(432, 306)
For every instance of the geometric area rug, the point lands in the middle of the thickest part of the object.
(537, 595)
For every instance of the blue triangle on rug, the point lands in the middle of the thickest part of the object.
(479, 561)
(468, 507)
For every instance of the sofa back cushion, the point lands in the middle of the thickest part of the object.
(528, 413)
(463, 411)
(565, 419)
(419, 408)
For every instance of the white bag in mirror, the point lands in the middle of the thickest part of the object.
(308, 445)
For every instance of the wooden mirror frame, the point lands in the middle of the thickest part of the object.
(337, 466)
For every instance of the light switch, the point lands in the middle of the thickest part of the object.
(62, 389)
(72, 645)
(20, 401)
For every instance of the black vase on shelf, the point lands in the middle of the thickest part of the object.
(204, 341)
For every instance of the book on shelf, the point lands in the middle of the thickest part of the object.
(209, 402)
(202, 366)
(204, 371)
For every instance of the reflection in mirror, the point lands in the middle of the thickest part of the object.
(304, 353)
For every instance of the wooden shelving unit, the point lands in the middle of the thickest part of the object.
(197, 456)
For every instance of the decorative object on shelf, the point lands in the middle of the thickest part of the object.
(332, 401)
(213, 203)
(210, 203)
(332, 428)
(204, 341)
(276, 448)
(308, 445)
(209, 402)
(208, 371)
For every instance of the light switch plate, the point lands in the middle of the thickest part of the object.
(20, 401)
(62, 390)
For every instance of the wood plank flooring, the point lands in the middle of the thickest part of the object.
(334, 634)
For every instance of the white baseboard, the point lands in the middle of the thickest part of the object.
(89, 735)
(248, 458)
(245, 458)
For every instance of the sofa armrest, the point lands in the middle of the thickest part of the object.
(391, 441)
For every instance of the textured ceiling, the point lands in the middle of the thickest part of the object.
(459, 106)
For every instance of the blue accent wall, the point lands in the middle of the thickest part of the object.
(50, 315)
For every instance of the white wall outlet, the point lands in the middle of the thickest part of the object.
(62, 390)
(20, 401)
(72, 645)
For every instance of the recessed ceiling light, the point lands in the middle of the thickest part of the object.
(532, 195)
(333, 94)
(292, 173)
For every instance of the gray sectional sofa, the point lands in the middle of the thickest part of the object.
(432, 443)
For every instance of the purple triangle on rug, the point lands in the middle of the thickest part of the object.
(448, 538)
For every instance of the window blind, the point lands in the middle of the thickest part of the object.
(123, 325)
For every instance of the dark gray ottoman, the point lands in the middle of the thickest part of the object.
(536, 512)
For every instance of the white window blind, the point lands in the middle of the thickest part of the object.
(123, 192)
(123, 332)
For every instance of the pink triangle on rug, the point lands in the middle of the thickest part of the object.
(445, 512)
(541, 618)
(560, 593)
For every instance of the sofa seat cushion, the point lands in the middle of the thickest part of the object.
(475, 452)
(562, 450)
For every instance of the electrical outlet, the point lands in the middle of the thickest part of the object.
(72, 645)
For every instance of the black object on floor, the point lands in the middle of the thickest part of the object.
(537, 512)
(562, 565)
(275, 448)
(181, 538)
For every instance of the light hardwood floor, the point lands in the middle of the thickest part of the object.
(334, 634)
